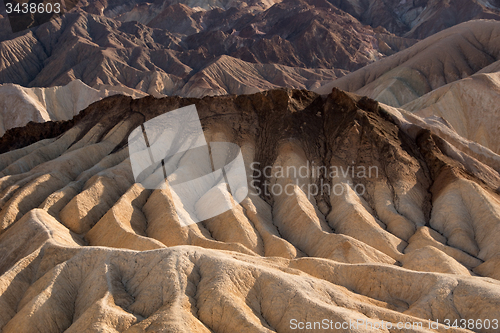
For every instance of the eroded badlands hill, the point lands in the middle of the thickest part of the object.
(451, 77)
(85, 248)
(19, 105)
(420, 18)
(470, 106)
(448, 56)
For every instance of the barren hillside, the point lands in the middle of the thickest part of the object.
(470, 106)
(443, 58)
(86, 248)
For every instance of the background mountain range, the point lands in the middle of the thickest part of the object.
(188, 48)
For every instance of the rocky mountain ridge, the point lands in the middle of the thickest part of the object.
(397, 218)
(193, 49)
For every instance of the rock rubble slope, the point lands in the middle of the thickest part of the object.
(85, 248)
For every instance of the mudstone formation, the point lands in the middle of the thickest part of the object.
(86, 249)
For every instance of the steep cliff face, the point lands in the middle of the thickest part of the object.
(355, 210)
(451, 78)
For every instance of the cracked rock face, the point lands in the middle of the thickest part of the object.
(381, 217)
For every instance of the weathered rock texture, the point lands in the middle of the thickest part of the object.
(195, 48)
(85, 248)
